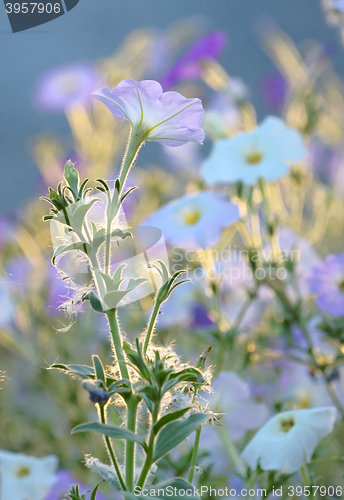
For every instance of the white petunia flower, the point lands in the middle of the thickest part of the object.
(26, 478)
(263, 153)
(289, 439)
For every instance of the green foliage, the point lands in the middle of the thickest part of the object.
(112, 431)
(176, 432)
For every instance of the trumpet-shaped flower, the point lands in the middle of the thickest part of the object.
(289, 439)
(327, 282)
(194, 220)
(263, 153)
(165, 117)
(26, 478)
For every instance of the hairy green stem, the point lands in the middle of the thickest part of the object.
(194, 454)
(110, 448)
(117, 342)
(149, 454)
(135, 142)
(151, 325)
(107, 246)
(130, 446)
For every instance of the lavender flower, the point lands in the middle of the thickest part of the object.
(167, 118)
(61, 87)
(189, 65)
(232, 396)
(194, 220)
(327, 282)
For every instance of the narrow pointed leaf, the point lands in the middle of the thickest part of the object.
(98, 368)
(175, 433)
(95, 303)
(112, 431)
(170, 417)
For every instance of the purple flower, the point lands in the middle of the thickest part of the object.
(275, 89)
(232, 396)
(189, 65)
(195, 220)
(327, 282)
(64, 86)
(165, 117)
(64, 480)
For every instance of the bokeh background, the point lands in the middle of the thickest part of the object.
(96, 28)
(291, 61)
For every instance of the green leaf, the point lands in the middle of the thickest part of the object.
(95, 303)
(81, 371)
(113, 431)
(98, 368)
(174, 486)
(72, 177)
(170, 417)
(80, 213)
(123, 197)
(94, 492)
(175, 433)
(78, 245)
(113, 298)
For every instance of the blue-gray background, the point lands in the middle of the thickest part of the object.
(94, 28)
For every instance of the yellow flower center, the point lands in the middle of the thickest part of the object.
(254, 157)
(341, 285)
(191, 218)
(287, 424)
(23, 471)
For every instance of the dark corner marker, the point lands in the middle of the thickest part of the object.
(24, 15)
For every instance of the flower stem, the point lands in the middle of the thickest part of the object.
(149, 454)
(135, 142)
(130, 446)
(231, 450)
(109, 447)
(305, 475)
(117, 342)
(107, 246)
(151, 325)
(194, 454)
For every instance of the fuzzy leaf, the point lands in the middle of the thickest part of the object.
(81, 371)
(170, 417)
(79, 245)
(175, 433)
(112, 431)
